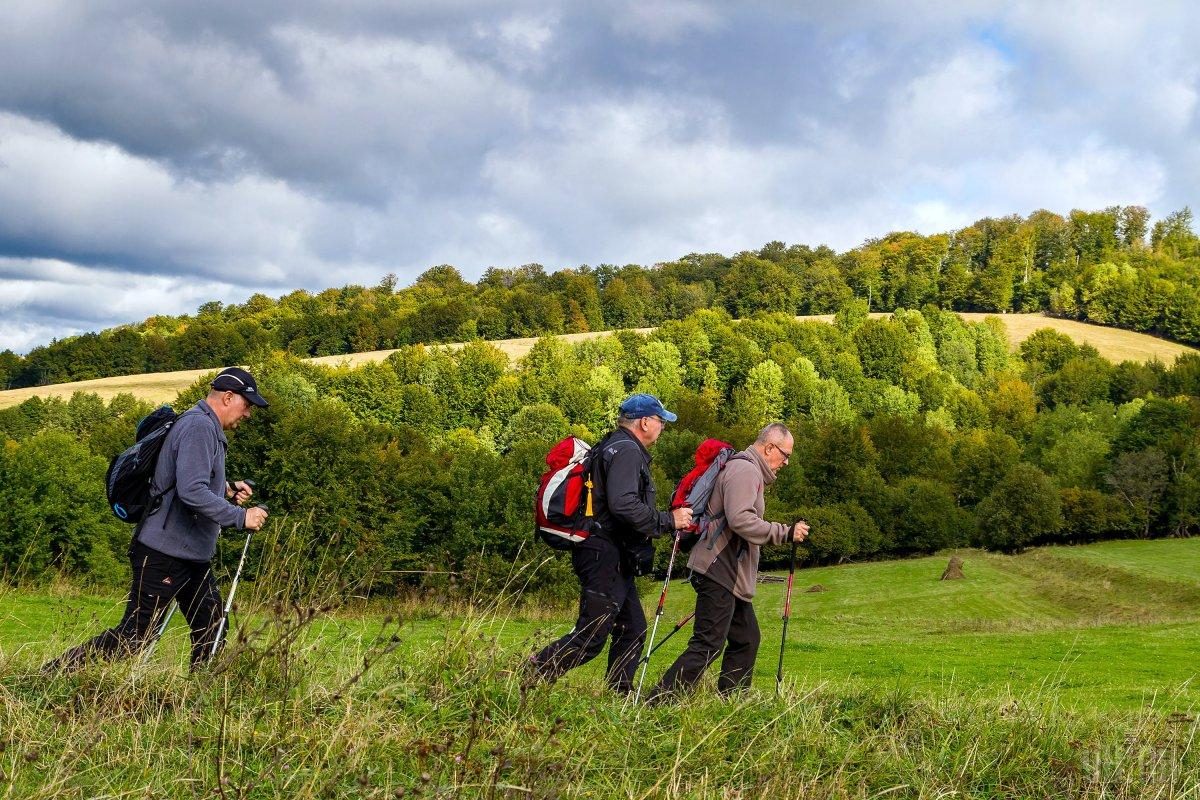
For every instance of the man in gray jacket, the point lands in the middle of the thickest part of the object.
(173, 546)
(725, 568)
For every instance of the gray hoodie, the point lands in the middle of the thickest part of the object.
(191, 472)
(731, 557)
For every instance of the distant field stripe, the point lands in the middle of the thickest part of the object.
(1172, 559)
(1106, 591)
(1114, 344)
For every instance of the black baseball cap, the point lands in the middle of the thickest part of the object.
(236, 379)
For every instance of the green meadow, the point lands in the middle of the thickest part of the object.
(1060, 671)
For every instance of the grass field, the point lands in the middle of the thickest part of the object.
(1060, 672)
(162, 387)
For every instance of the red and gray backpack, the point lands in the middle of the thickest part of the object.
(695, 489)
(563, 513)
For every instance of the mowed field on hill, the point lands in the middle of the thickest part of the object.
(1113, 343)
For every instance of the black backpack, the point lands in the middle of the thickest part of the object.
(127, 482)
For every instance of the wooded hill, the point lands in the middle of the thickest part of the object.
(1113, 344)
(913, 433)
(1110, 267)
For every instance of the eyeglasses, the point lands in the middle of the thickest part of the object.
(787, 454)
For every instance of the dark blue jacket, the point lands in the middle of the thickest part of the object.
(624, 491)
(191, 474)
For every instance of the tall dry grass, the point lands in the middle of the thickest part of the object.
(298, 707)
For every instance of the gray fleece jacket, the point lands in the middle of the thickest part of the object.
(731, 557)
(191, 472)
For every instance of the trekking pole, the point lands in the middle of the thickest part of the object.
(678, 627)
(162, 628)
(232, 590)
(662, 599)
(787, 612)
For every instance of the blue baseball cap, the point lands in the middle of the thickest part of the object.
(637, 406)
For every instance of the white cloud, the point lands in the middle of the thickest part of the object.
(204, 152)
(637, 181)
(41, 299)
(1092, 175)
(521, 41)
(94, 200)
(955, 110)
(664, 20)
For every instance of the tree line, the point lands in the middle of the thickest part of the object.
(1110, 267)
(913, 433)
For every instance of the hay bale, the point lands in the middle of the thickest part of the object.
(816, 587)
(954, 570)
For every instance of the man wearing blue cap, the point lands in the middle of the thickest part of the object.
(174, 544)
(609, 559)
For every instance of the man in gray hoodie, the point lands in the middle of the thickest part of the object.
(724, 568)
(173, 546)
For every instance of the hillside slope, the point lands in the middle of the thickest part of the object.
(1110, 625)
(1114, 344)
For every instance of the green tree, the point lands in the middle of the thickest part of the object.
(1139, 479)
(981, 460)
(1134, 223)
(1173, 235)
(884, 348)
(480, 365)
(52, 490)
(754, 284)
(831, 403)
(761, 399)
(1046, 350)
(839, 533)
(608, 390)
(1081, 381)
(1011, 407)
(1021, 509)
(541, 421)
(1089, 514)
(659, 370)
(924, 517)
(1078, 458)
(800, 382)
(851, 316)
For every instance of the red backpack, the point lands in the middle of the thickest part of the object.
(695, 489)
(563, 502)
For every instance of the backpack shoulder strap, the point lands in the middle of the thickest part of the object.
(157, 497)
(597, 454)
(717, 525)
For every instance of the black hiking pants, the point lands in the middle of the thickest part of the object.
(157, 580)
(722, 622)
(608, 606)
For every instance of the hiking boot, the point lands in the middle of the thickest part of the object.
(68, 663)
(529, 674)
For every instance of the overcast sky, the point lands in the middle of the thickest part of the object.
(156, 155)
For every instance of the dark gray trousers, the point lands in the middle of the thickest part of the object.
(157, 580)
(608, 607)
(723, 622)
